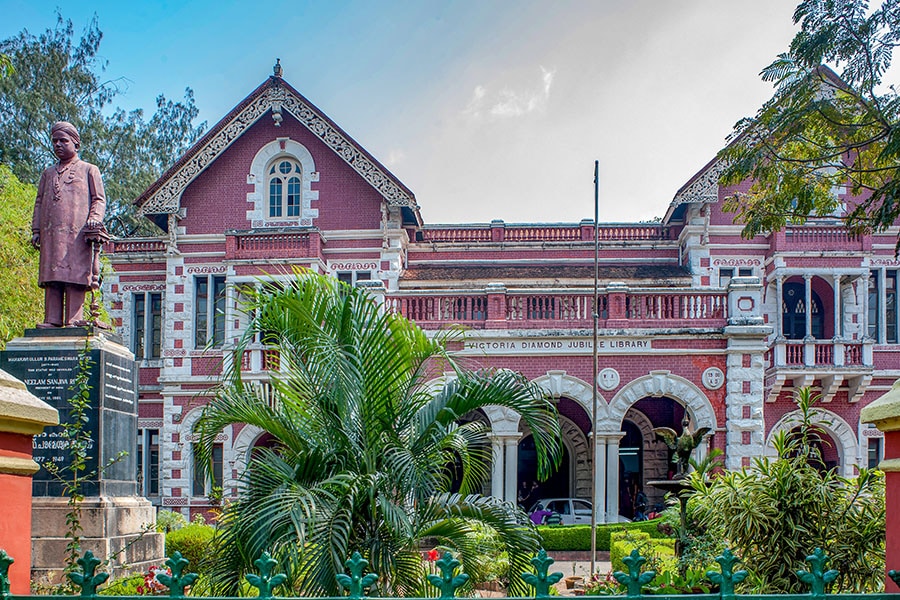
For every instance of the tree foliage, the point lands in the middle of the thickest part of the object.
(368, 456)
(775, 513)
(21, 299)
(822, 135)
(55, 77)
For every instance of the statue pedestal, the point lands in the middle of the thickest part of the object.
(116, 523)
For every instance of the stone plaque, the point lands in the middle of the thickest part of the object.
(49, 366)
(608, 379)
(713, 378)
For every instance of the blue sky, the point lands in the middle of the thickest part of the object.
(485, 109)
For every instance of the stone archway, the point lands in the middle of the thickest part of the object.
(835, 426)
(656, 385)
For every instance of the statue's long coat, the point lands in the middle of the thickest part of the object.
(66, 257)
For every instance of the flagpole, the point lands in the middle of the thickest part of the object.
(594, 406)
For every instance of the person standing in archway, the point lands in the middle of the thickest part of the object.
(68, 217)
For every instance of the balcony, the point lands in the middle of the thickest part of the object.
(831, 362)
(272, 244)
(618, 308)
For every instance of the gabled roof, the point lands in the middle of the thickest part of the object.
(703, 187)
(273, 96)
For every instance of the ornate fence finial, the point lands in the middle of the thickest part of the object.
(356, 583)
(540, 579)
(176, 582)
(265, 582)
(818, 577)
(634, 580)
(87, 580)
(728, 577)
(446, 582)
(5, 561)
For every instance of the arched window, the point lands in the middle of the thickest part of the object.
(285, 195)
(794, 312)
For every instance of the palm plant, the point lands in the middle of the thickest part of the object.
(365, 452)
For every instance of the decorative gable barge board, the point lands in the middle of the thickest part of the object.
(164, 196)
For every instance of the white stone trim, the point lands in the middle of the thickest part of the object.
(167, 198)
(658, 384)
(258, 177)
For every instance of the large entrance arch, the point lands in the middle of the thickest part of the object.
(666, 397)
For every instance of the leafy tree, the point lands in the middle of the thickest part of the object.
(366, 452)
(777, 512)
(819, 132)
(21, 300)
(54, 77)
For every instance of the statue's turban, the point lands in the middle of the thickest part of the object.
(68, 129)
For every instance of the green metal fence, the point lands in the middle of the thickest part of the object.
(356, 583)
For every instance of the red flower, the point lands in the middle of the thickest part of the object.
(433, 555)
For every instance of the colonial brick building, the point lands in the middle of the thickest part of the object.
(692, 317)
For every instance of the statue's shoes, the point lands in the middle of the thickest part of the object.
(48, 325)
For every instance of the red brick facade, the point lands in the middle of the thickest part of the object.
(691, 316)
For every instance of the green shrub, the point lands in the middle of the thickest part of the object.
(660, 553)
(578, 537)
(123, 586)
(169, 520)
(193, 541)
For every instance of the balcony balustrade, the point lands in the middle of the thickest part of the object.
(519, 310)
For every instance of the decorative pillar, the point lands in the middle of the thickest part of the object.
(838, 308)
(22, 416)
(600, 478)
(511, 467)
(807, 280)
(612, 477)
(779, 302)
(496, 466)
(884, 413)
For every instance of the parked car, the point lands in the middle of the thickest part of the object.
(565, 511)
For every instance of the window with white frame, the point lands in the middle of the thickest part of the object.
(285, 188)
(727, 273)
(147, 319)
(351, 277)
(884, 287)
(148, 462)
(205, 479)
(209, 310)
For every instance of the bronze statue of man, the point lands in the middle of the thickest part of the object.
(68, 213)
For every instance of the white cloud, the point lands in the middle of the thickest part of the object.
(394, 157)
(511, 102)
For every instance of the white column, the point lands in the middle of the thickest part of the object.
(511, 467)
(779, 302)
(807, 280)
(838, 308)
(600, 478)
(612, 478)
(497, 457)
(882, 306)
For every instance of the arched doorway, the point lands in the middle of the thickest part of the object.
(631, 466)
(794, 312)
(558, 485)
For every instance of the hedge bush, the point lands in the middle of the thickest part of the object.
(660, 552)
(578, 537)
(192, 541)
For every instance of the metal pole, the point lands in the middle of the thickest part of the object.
(594, 406)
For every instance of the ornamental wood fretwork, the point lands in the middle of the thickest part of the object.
(704, 190)
(168, 197)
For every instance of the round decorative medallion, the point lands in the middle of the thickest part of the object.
(608, 379)
(713, 378)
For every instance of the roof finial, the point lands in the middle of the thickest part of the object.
(277, 68)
